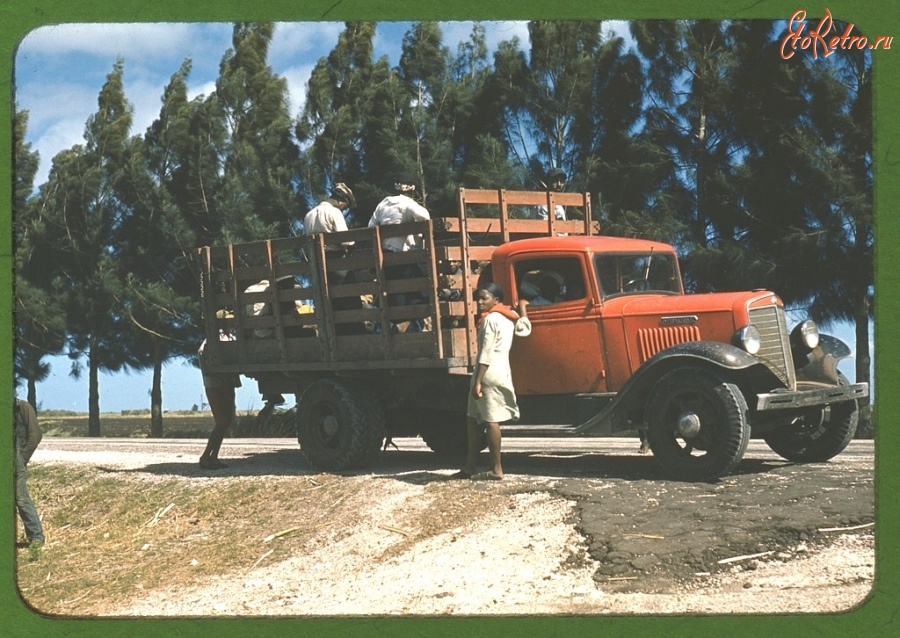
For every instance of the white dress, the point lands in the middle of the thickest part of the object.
(498, 401)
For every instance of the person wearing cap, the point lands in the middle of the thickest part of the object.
(556, 181)
(328, 217)
(401, 208)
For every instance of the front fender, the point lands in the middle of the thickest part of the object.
(709, 355)
(820, 365)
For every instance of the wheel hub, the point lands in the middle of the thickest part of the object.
(330, 425)
(688, 425)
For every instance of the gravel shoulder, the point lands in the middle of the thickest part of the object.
(408, 542)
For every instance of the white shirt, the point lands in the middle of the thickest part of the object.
(541, 212)
(324, 218)
(399, 209)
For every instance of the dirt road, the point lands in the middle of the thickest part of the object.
(579, 526)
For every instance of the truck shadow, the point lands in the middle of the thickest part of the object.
(423, 467)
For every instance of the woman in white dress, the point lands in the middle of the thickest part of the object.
(492, 399)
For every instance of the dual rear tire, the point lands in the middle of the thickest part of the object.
(340, 426)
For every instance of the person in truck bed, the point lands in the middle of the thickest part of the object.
(401, 208)
(492, 398)
(328, 217)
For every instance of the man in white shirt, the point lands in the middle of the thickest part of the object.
(328, 216)
(556, 181)
(401, 208)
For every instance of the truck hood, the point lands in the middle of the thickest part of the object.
(657, 305)
(646, 324)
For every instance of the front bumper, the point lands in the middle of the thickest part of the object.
(810, 396)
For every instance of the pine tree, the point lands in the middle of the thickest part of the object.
(258, 198)
(81, 212)
(156, 239)
(40, 321)
(349, 121)
(545, 94)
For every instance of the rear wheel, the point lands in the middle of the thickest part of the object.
(697, 424)
(819, 434)
(445, 433)
(339, 426)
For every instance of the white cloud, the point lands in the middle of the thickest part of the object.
(127, 40)
(205, 89)
(297, 78)
(294, 40)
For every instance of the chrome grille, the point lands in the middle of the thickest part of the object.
(651, 341)
(775, 349)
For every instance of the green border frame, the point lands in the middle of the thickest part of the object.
(876, 17)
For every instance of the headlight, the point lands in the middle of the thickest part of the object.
(748, 339)
(805, 335)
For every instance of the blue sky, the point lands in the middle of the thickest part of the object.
(59, 71)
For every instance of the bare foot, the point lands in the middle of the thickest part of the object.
(487, 476)
(211, 463)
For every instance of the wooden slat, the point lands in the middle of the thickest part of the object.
(519, 198)
(473, 253)
(354, 261)
(406, 257)
(437, 339)
(381, 297)
(418, 284)
(354, 290)
(478, 226)
(323, 306)
(275, 303)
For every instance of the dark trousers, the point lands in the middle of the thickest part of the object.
(34, 531)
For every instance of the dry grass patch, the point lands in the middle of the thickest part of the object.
(111, 537)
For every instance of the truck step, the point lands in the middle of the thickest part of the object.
(538, 430)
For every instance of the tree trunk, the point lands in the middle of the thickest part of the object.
(32, 392)
(156, 417)
(93, 396)
(865, 429)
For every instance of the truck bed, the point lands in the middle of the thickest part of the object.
(302, 326)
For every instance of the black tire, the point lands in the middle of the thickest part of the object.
(446, 434)
(819, 434)
(339, 426)
(720, 433)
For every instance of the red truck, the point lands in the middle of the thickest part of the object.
(616, 345)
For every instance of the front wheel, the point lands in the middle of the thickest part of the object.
(697, 424)
(819, 434)
(339, 426)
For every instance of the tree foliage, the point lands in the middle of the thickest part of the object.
(758, 169)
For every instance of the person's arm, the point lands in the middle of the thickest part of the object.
(31, 430)
(479, 378)
(416, 212)
(340, 225)
(487, 347)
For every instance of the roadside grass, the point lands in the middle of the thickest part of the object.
(180, 425)
(112, 537)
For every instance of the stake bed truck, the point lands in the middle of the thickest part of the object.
(619, 347)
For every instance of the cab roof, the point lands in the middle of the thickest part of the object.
(582, 243)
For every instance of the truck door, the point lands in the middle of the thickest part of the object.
(563, 354)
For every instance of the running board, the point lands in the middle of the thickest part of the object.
(538, 430)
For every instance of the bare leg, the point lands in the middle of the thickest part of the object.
(494, 437)
(473, 433)
(221, 403)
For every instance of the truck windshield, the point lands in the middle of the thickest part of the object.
(623, 274)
